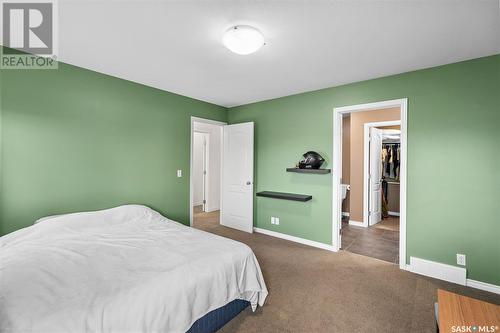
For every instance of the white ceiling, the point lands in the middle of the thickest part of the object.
(176, 45)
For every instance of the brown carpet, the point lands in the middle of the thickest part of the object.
(313, 290)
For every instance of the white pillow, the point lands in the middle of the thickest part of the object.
(111, 216)
(48, 218)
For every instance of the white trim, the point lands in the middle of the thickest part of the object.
(438, 270)
(294, 239)
(473, 283)
(345, 214)
(205, 121)
(393, 213)
(366, 163)
(357, 223)
(403, 182)
(393, 103)
(483, 286)
(336, 178)
(337, 169)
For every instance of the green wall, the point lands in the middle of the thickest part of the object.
(453, 160)
(72, 140)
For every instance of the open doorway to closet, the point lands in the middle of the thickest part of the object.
(370, 180)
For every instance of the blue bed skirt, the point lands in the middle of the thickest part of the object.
(217, 318)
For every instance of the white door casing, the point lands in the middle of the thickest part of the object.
(237, 176)
(338, 112)
(375, 177)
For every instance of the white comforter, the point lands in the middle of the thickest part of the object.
(125, 269)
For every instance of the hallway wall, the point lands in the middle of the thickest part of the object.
(198, 167)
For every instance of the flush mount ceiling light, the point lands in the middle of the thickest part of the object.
(243, 39)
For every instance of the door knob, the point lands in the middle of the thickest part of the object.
(249, 183)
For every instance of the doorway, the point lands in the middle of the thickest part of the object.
(382, 155)
(221, 175)
(205, 175)
(366, 186)
(376, 153)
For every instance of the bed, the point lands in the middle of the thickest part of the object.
(125, 269)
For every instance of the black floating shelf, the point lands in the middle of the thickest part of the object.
(316, 171)
(285, 196)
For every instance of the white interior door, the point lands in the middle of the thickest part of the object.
(375, 177)
(237, 177)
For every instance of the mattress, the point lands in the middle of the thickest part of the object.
(125, 269)
(214, 320)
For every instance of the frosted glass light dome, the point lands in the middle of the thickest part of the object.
(243, 39)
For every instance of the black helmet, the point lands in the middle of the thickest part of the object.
(311, 160)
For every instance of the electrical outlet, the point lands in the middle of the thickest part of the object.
(461, 259)
(179, 173)
(277, 220)
(273, 220)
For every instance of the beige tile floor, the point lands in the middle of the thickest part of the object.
(380, 241)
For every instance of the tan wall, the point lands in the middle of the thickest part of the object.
(346, 157)
(358, 119)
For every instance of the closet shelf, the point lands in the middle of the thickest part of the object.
(313, 171)
(285, 196)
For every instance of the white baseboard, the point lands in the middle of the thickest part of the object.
(483, 286)
(295, 239)
(438, 270)
(356, 223)
(448, 273)
(345, 213)
(393, 213)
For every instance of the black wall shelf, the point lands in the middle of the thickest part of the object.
(315, 171)
(285, 196)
